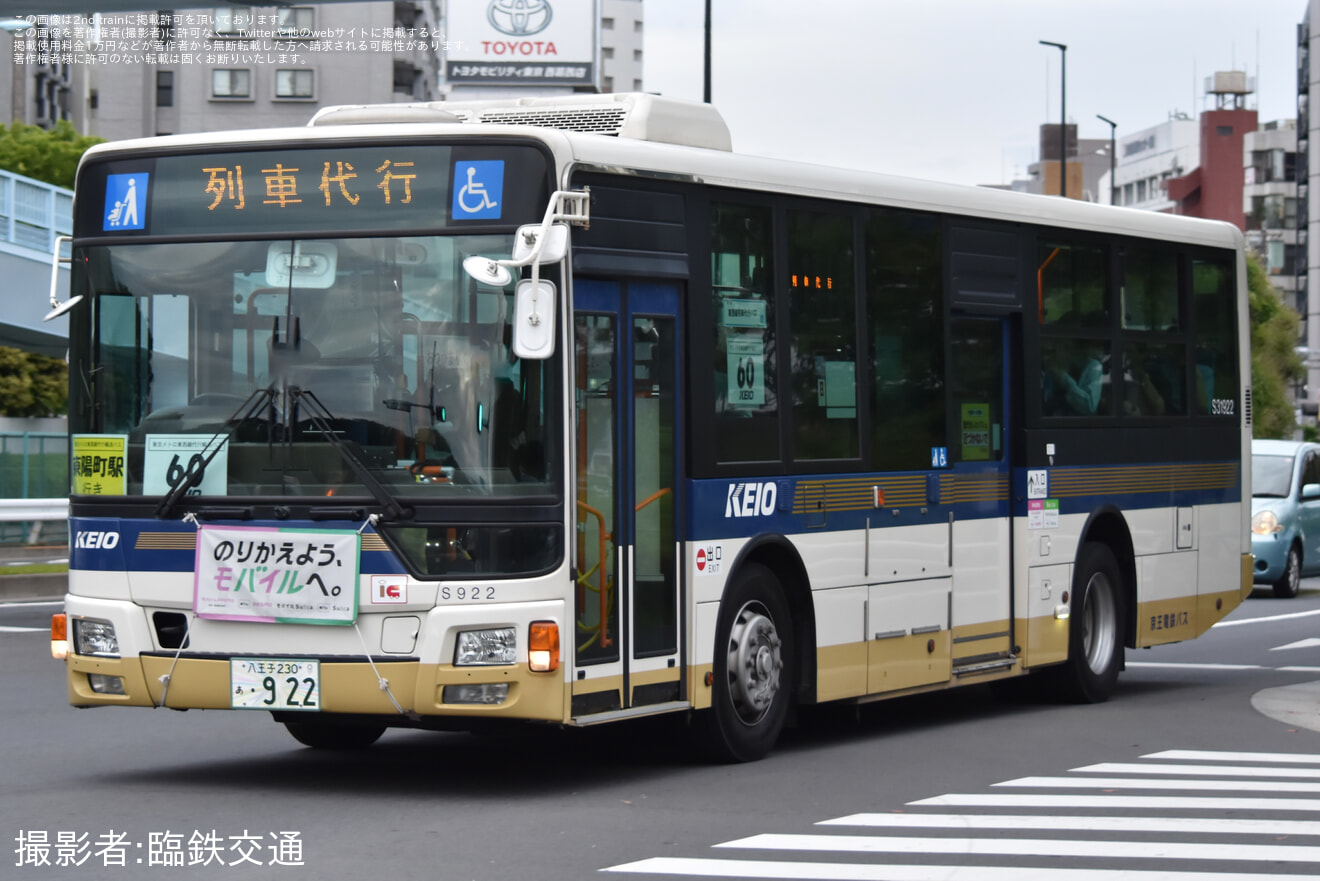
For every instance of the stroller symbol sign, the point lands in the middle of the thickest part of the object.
(125, 201)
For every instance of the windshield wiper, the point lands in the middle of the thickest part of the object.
(320, 417)
(192, 476)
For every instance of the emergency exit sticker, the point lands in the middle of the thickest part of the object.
(710, 559)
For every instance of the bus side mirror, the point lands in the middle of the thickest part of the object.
(534, 319)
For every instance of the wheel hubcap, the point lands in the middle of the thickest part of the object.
(754, 662)
(1099, 624)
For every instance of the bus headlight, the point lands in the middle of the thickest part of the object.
(96, 638)
(485, 648)
(1265, 523)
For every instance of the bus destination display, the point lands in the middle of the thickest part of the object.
(326, 189)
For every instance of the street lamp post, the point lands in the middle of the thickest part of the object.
(706, 91)
(1063, 115)
(1112, 154)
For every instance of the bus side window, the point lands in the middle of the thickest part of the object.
(1215, 314)
(746, 401)
(905, 333)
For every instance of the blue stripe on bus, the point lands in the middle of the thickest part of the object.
(740, 508)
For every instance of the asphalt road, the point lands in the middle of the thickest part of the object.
(1206, 764)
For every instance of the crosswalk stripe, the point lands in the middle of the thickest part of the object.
(1215, 840)
(1208, 770)
(1204, 825)
(1139, 802)
(712, 868)
(1037, 847)
(1134, 783)
(1202, 755)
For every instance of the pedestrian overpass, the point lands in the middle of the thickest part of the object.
(32, 214)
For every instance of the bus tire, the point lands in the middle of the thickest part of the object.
(754, 664)
(1291, 580)
(323, 735)
(1095, 628)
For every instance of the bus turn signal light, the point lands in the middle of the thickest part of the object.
(59, 636)
(543, 647)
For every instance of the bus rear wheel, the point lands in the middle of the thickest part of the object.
(754, 664)
(1095, 628)
(328, 735)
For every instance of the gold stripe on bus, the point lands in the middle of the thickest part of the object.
(372, 542)
(166, 541)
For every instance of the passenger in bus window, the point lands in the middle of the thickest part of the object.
(1073, 381)
(1143, 398)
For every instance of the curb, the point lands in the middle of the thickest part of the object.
(18, 588)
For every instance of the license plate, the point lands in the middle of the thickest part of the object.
(274, 684)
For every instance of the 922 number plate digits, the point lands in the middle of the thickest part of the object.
(274, 684)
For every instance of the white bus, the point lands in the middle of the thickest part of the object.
(559, 411)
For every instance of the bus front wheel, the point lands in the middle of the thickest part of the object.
(323, 735)
(754, 665)
(1095, 628)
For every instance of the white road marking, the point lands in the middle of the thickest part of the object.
(24, 630)
(858, 872)
(31, 605)
(1300, 644)
(1037, 847)
(1205, 825)
(1173, 666)
(1265, 619)
(1105, 802)
(1133, 783)
(1203, 755)
(1208, 770)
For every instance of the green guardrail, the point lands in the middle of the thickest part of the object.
(34, 465)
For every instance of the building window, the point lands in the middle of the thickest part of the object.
(164, 88)
(637, 55)
(298, 20)
(607, 52)
(607, 84)
(1223, 130)
(231, 84)
(294, 84)
(1127, 194)
(1141, 191)
(607, 24)
(232, 20)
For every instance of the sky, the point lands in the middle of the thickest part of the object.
(956, 90)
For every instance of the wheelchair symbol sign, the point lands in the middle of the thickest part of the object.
(478, 190)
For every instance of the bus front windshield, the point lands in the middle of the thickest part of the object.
(382, 341)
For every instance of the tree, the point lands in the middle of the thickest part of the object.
(46, 155)
(1274, 361)
(31, 384)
